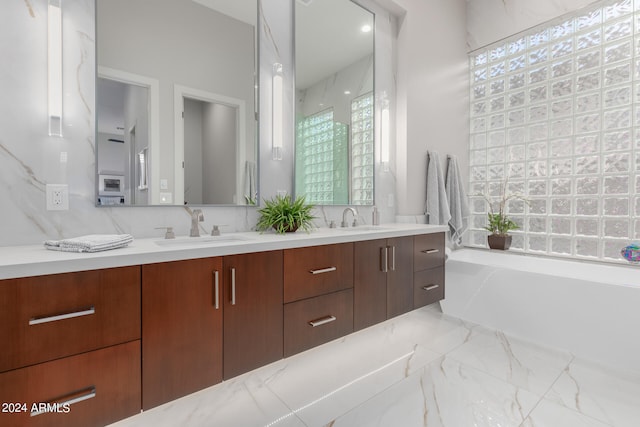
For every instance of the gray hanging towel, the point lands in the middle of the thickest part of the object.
(458, 202)
(436, 206)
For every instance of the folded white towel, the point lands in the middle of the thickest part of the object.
(458, 204)
(436, 206)
(90, 243)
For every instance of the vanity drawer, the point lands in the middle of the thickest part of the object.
(315, 321)
(48, 317)
(428, 251)
(317, 270)
(104, 384)
(428, 287)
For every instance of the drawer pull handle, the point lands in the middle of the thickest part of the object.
(384, 259)
(430, 288)
(233, 286)
(84, 394)
(323, 270)
(430, 251)
(393, 258)
(48, 319)
(216, 285)
(322, 321)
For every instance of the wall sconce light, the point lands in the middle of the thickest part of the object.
(55, 67)
(277, 111)
(384, 138)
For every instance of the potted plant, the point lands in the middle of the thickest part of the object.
(499, 224)
(285, 215)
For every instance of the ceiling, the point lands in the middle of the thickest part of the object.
(329, 30)
(329, 38)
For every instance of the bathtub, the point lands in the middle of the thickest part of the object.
(589, 309)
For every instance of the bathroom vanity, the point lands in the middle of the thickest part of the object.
(98, 337)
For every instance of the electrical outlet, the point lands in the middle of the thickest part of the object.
(57, 197)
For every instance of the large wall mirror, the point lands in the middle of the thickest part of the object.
(176, 102)
(334, 57)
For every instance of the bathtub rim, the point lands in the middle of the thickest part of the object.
(618, 274)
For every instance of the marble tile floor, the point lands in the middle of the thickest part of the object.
(420, 369)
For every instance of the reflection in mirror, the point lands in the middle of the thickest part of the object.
(334, 102)
(175, 102)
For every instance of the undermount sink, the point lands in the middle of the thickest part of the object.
(201, 241)
(363, 228)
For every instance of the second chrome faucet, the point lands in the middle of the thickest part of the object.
(344, 217)
(196, 216)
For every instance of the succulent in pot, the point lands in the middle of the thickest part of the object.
(285, 215)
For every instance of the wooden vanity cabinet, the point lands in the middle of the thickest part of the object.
(181, 328)
(383, 280)
(71, 339)
(253, 299)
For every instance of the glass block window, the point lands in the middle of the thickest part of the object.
(322, 159)
(555, 114)
(362, 150)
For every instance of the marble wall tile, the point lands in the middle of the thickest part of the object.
(30, 159)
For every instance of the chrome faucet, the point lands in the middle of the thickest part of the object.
(196, 216)
(344, 217)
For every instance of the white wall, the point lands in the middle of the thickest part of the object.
(491, 20)
(219, 157)
(432, 100)
(193, 151)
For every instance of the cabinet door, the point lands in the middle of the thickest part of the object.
(253, 303)
(428, 286)
(92, 389)
(428, 251)
(370, 283)
(48, 317)
(317, 270)
(181, 328)
(314, 321)
(400, 276)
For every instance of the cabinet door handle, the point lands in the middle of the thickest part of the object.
(384, 259)
(322, 321)
(216, 290)
(393, 258)
(233, 286)
(430, 287)
(430, 251)
(70, 399)
(323, 270)
(85, 312)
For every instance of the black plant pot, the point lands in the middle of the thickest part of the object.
(497, 241)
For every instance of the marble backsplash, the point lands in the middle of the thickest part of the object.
(30, 159)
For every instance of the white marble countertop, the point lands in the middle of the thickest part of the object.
(35, 260)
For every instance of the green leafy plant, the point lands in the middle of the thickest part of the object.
(498, 222)
(285, 215)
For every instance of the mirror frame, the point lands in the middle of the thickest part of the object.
(154, 127)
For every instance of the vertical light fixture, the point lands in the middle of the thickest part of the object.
(384, 138)
(277, 112)
(55, 67)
